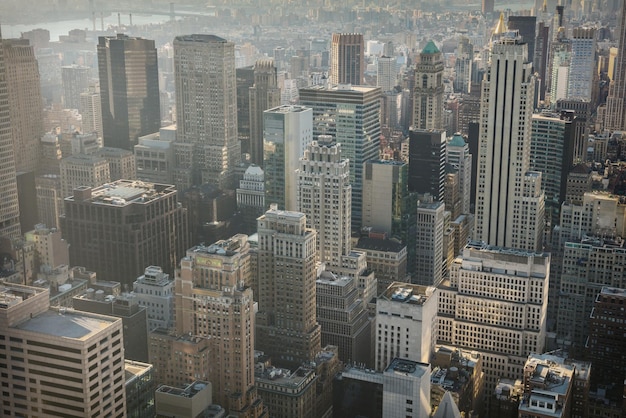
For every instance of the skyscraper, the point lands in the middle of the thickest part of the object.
(25, 109)
(75, 80)
(324, 196)
(213, 283)
(428, 94)
(129, 89)
(582, 73)
(347, 59)
(264, 95)
(287, 329)
(287, 130)
(352, 116)
(464, 66)
(91, 108)
(458, 154)
(207, 149)
(119, 229)
(387, 73)
(509, 200)
(615, 108)
(427, 162)
(9, 211)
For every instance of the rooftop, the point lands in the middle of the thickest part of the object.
(407, 367)
(386, 245)
(407, 293)
(430, 48)
(126, 192)
(188, 392)
(67, 323)
(200, 38)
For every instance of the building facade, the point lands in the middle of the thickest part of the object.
(263, 95)
(428, 94)
(347, 59)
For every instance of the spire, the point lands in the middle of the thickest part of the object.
(430, 48)
(544, 8)
(501, 26)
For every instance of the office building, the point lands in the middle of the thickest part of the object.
(245, 80)
(154, 156)
(91, 110)
(25, 110)
(352, 116)
(251, 197)
(615, 116)
(386, 73)
(495, 303)
(526, 26)
(190, 400)
(121, 163)
(264, 95)
(429, 243)
(386, 258)
(154, 291)
(10, 213)
(406, 323)
(582, 68)
(487, 6)
(76, 80)
(83, 170)
(140, 388)
(47, 340)
(119, 305)
(343, 318)
(213, 301)
(427, 162)
(50, 248)
(509, 200)
(463, 66)
(551, 153)
(287, 131)
(406, 389)
(388, 206)
(428, 94)
(347, 59)
(458, 155)
(120, 228)
(324, 196)
(129, 89)
(49, 199)
(286, 325)
(207, 148)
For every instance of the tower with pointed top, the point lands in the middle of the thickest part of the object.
(509, 200)
(428, 93)
(615, 118)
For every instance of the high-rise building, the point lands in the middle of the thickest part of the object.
(121, 162)
(213, 283)
(509, 200)
(154, 291)
(386, 73)
(495, 303)
(386, 258)
(324, 196)
(25, 109)
(399, 332)
(245, 80)
(429, 243)
(264, 95)
(541, 58)
(251, 196)
(552, 145)
(76, 79)
(526, 26)
(129, 89)
(582, 68)
(413, 400)
(463, 66)
(207, 148)
(120, 228)
(428, 94)
(352, 116)
(287, 131)
(83, 170)
(347, 59)
(91, 108)
(39, 380)
(154, 156)
(388, 206)
(615, 107)
(49, 199)
(287, 328)
(487, 6)
(427, 162)
(458, 154)
(560, 62)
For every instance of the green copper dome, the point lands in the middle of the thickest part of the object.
(430, 48)
(457, 141)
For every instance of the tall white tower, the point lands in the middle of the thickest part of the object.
(325, 196)
(509, 200)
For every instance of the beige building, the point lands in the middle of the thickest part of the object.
(287, 328)
(121, 163)
(58, 362)
(386, 258)
(495, 303)
(50, 247)
(154, 156)
(406, 323)
(83, 170)
(213, 301)
(347, 59)
(190, 401)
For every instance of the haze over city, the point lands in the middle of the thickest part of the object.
(284, 208)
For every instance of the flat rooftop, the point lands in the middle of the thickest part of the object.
(67, 323)
(407, 293)
(126, 192)
(407, 367)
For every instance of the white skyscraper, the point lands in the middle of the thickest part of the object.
(287, 130)
(509, 200)
(582, 64)
(387, 73)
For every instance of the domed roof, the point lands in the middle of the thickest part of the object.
(457, 141)
(430, 48)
